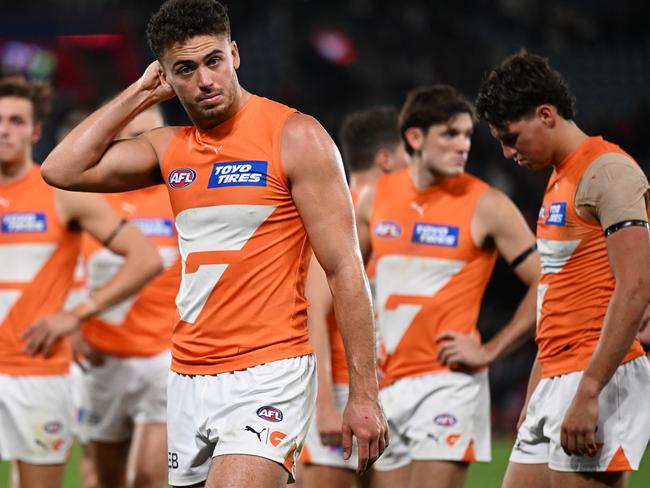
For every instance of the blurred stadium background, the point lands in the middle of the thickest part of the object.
(329, 58)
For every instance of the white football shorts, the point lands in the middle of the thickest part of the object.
(261, 411)
(622, 431)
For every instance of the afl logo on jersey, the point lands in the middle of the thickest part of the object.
(181, 177)
(271, 414)
(387, 229)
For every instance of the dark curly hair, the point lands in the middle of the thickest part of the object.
(431, 105)
(178, 20)
(515, 88)
(39, 93)
(365, 132)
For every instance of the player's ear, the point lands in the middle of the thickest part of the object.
(235, 54)
(382, 159)
(547, 114)
(415, 138)
(36, 134)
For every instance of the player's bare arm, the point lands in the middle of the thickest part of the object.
(362, 217)
(89, 159)
(498, 221)
(319, 297)
(315, 171)
(142, 262)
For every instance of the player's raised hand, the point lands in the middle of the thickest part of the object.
(40, 336)
(458, 349)
(153, 80)
(364, 419)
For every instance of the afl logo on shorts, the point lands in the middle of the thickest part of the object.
(387, 229)
(53, 427)
(445, 420)
(181, 177)
(270, 414)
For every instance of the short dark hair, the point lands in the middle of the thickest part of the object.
(178, 20)
(37, 92)
(431, 105)
(521, 83)
(365, 132)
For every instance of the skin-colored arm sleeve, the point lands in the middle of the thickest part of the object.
(613, 189)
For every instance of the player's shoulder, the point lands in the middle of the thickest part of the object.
(493, 204)
(302, 128)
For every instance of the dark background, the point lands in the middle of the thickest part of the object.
(329, 58)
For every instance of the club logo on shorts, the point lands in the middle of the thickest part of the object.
(238, 173)
(452, 439)
(435, 235)
(556, 214)
(445, 420)
(388, 229)
(24, 222)
(53, 427)
(271, 414)
(181, 177)
(276, 437)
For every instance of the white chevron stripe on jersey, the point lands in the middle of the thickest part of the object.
(555, 254)
(216, 228)
(408, 276)
(20, 264)
(7, 300)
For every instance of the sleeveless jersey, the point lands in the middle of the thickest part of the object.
(576, 282)
(430, 276)
(38, 256)
(141, 325)
(244, 248)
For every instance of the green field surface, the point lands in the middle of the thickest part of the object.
(480, 475)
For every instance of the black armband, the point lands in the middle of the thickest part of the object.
(522, 257)
(622, 225)
(116, 231)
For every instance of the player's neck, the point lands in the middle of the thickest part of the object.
(14, 171)
(423, 177)
(568, 139)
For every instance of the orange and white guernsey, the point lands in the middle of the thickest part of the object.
(576, 283)
(244, 248)
(38, 256)
(142, 324)
(430, 276)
